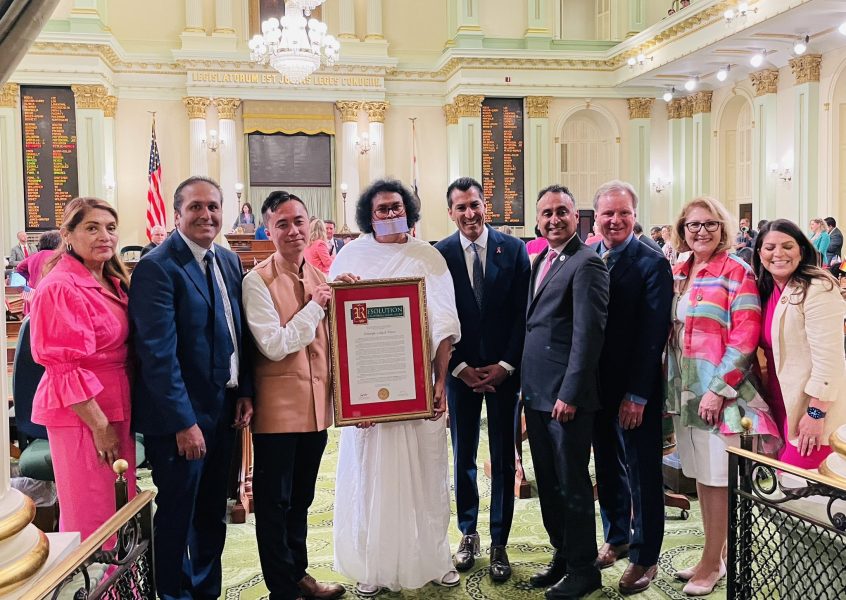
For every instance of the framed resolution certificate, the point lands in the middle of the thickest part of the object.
(381, 363)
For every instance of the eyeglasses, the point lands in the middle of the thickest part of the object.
(710, 226)
(384, 211)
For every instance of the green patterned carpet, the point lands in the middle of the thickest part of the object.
(528, 549)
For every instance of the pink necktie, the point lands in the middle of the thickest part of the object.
(550, 258)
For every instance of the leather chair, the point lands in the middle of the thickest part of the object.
(131, 253)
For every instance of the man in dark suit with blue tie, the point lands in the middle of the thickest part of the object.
(490, 272)
(565, 323)
(627, 440)
(193, 387)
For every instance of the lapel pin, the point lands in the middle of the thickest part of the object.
(562, 258)
(499, 249)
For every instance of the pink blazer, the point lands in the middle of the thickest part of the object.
(79, 334)
(317, 255)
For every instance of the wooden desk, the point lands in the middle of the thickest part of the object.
(250, 250)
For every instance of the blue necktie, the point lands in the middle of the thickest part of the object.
(478, 275)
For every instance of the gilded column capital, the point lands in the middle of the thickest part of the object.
(806, 69)
(764, 82)
(196, 106)
(226, 107)
(675, 108)
(687, 107)
(537, 107)
(701, 102)
(109, 104)
(9, 94)
(376, 111)
(451, 114)
(640, 108)
(468, 106)
(348, 109)
(89, 96)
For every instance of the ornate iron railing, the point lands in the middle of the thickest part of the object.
(787, 531)
(123, 572)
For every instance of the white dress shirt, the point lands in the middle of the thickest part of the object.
(200, 256)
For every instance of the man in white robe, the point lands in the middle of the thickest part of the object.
(392, 503)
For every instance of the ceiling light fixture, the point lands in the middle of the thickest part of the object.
(691, 83)
(640, 59)
(668, 95)
(801, 45)
(742, 11)
(723, 73)
(842, 28)
(757, 59)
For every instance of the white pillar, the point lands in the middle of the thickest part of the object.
(109, 151)
(451, 114)
(469, 113)
(194, 16)
(11, 163)
(701, 143)
(806, 136)
(640, 126)
(346, 29)
(374, 20)
(197, 159)
(223, 17)
(90, 138)
(537, 156)
(376, 133)
(676, 151)
(226, 108)
(764, 147)
(349, 157)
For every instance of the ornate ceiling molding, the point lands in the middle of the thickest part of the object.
(675, 108)
(9, 94)
(376, 111)
(700, 102)
(806, 69)
(89, 96)
(451, 114)
(764, 82)
(348, 109)
(537, 107)
(468, 105)
(196, 106)
(226, 107)
(640, 108)
(109, 104)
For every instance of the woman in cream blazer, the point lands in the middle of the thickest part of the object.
(802, 337)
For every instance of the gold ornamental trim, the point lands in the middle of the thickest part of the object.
(196, 106)
(837, 445)
(89, 96)
(109, 104)
(9, 94)
(764, 82)
(18, 573)
(376, 111)
(348, 109)
(468, 105)
(451, 114)
(537, 107)
(700, 102)
(226, 107)
(18, 520)
(806, 69)
(640, 108)
(676, 108)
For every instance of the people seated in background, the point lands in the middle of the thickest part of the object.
(21, 250)
(684, 4)
(819, 238)
(32, 267)
(333, 244)
(802, 338)
(392, 514)
(261, 233)
(157, 235)
(79, 334)
(285, 302)
(716, 327)
(245, 217)
(316, 252)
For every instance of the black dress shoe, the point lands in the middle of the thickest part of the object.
(552, 574)
(574, 586)
(500, 567)
(468, 550)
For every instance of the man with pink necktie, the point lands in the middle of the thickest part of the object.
(565, 326)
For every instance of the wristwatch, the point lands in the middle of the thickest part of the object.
(816, 413)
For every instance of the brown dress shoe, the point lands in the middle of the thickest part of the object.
(609, 554)
(323, 591)
(637, 578)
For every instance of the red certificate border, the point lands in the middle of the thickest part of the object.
(422, 405)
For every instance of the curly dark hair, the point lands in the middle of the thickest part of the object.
(364, 206)
(809, 262)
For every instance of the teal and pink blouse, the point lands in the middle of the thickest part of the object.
(716, 347)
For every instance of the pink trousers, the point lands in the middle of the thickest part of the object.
(85, 485)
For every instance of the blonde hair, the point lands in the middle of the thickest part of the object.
(75, 211)
(316, 231)
(728, 228)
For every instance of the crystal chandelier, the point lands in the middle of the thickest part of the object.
(304, 5)
(294, 45)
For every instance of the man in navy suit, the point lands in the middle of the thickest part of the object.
(565, 322)
(627, 439)
(490, 272)
(193, 387)
(332, 243)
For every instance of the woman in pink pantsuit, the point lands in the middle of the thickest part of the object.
(79, 326)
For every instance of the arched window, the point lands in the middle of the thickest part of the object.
(586, 154)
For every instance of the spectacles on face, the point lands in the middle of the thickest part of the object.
(383, 212)
(695, 226)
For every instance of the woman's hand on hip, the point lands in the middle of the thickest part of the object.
(711, 408)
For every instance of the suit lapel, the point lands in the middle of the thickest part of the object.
(557, 266)
(189, 264)
(492, 266)
(625, 260)
(458, 264)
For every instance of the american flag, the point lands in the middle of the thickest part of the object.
(155, 202)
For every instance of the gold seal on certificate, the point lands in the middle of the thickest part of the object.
(384, 393)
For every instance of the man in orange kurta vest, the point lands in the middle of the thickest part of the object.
(285, 300)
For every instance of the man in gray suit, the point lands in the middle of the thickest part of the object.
(21, 250)
(565, 325)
